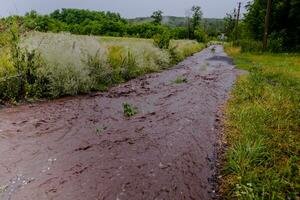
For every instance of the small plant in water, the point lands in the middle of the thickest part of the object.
(213, 49)
(100, 130)
(129, 110)
(180, 79)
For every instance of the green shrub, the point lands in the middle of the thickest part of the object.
(162, 40)
(60, 80)
(130, 68)
(276, 42)
(100, 72)
(180, 49)
(200, 35)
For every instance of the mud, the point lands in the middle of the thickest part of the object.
(84, 148)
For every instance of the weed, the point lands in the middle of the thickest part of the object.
(180, 79)
(129, 110)
(3, 188)
(100, 130)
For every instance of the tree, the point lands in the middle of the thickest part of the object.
(157, 17)
(197, 17)
(230, 21)
(284, 23)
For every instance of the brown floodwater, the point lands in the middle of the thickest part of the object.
(79, 148)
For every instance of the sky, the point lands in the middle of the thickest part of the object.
(127, 8)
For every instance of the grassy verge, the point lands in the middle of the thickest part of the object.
(262, 124)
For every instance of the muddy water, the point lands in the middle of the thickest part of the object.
(84, 148)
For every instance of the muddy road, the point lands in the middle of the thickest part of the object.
(83, 148)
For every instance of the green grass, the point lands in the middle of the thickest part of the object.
(262, 123)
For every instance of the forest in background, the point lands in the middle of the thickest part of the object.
(284, 28)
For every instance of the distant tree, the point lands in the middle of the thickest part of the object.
(188, 15)
(196, 17)
(230, 21)
(157, 16)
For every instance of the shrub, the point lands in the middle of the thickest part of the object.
(61, 80)
(200, 35)
(276, 42)
(100, 72)
(162, 40)
(180, 49)
(130, 68)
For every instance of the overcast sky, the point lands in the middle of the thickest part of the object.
(127, 8)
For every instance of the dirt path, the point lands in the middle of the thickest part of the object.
(84, 148)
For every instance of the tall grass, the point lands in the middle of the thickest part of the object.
(263, 125)
(75, 64)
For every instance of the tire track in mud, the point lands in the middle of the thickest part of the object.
(84, 148)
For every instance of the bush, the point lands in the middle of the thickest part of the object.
(276, 42)
(200, 35)
(180, 49)
(100, 72)
(162, 40)
(61, 80)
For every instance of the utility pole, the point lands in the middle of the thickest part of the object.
(237, 21)
(267, 22)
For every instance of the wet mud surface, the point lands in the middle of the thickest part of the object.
(84, 148)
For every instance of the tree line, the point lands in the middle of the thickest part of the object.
(87, 22)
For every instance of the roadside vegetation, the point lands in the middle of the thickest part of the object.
(49, 65)
(262, 124)
(73, 51)
(262, 117)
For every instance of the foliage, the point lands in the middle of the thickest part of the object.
(262, 126)
(284, 23)
(162, 40)
(230, 22)
(157, 16)
(86, 22)
(129, 110)
(200, 35)
(180, 49)
(53, 65)
(18, 67)
(248, 45)
(196, 17)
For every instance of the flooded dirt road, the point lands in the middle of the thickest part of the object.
(83, 148)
